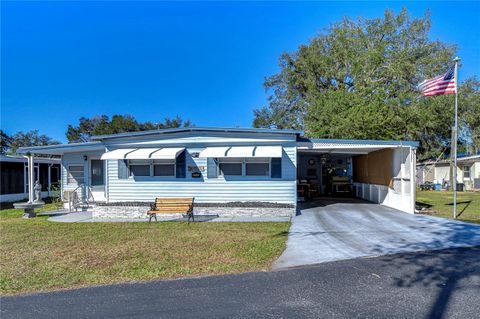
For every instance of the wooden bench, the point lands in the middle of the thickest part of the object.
(172, 205)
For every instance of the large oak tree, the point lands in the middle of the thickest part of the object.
(358, 80)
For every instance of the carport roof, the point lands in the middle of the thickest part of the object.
(359, 142)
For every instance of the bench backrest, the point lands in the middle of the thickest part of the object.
(174, 204)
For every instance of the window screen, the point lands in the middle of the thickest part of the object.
(75, 174)
(164, 170)
(466, 171)
(231, 169)
(256, 167)
(139, 167)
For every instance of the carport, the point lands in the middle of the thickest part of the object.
(381, 172)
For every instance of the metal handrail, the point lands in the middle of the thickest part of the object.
(74, 201)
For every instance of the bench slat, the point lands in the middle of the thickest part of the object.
(172, 205)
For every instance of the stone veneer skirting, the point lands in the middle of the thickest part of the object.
(140, 212)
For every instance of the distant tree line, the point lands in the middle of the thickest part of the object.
(87, 127)
(102, 125)
(358, 80)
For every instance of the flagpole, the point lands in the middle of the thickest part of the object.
(455, 138)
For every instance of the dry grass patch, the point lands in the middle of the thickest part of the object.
(38, 255)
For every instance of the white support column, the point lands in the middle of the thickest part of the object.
(413, 182)
(49, 178)
(31, 177)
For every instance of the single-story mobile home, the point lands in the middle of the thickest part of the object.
(217, 166)
(468, 172)
(14, 172)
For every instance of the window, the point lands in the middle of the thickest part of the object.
(139, 167)
(230, 166)
(244, 166)
(257, 167)
(163, 168)
(75, 174)
(152, 168)
(466, 172)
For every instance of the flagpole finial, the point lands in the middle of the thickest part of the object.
(456, 59)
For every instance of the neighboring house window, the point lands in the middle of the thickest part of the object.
(139, 167)
(75, 174)
(231, 166)
(466, 172)
(257, 167)
(164, 168)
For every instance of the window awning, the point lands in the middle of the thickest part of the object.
(214, 152)
(117, 154)
(143, 153)
(242, 151)
(268, 151)
(167, 153)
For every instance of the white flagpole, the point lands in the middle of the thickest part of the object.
(455, 138)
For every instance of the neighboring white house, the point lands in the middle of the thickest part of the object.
(225, 165)
(14, 181)
(468, 172)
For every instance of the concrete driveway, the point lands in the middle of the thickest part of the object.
(336, 230)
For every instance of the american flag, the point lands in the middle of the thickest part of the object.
(442, 84)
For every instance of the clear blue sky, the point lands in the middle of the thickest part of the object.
(203, 61)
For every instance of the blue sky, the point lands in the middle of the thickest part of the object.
(203, 61)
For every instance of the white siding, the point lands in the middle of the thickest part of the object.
(207, 190)
(77, 159)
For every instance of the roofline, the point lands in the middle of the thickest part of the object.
(34, 149)
(448, 160)
(198, 129)
(13, 158)
(371, 142)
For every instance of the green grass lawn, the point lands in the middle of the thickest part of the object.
(38, 255)
(468, 204)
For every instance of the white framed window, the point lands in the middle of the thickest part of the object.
(466, 172)
(164, 168)
(230, 166)
(75, 174)
(139, 167)
(257, 167)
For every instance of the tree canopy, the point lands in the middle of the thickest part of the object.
(10, 144)
(358, 80)
(102, 124)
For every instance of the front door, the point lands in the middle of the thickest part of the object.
(97, 179)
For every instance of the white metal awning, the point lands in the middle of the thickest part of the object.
(214, 152)
(117, 154)
(242, 151)
(143, 153)
(268, 151)
(167, 153)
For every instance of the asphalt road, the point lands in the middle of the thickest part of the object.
(350, 228)
(437, 284)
